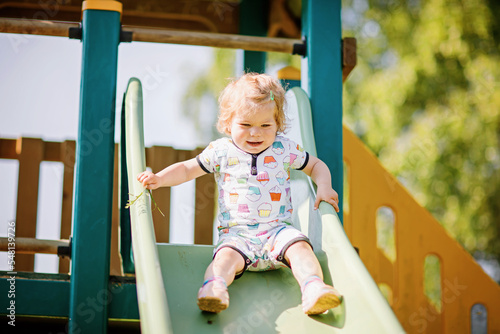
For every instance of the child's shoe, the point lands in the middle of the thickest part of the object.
(213, 296)
(318, 297)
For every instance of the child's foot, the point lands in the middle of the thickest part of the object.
(213, 295)
(317, 297)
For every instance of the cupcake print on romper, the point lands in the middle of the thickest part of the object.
(232, 162)
(264, 210)
(263, 178)
(281, 177)
(220, 153)
(242, 179)
(248, 237)
(253, 194)
(227, 178)
(288, 161)
(254, 225)
(275, 193)
(233, 196)
(282, 211)
(278, 148)
(243, 211)
(224, 211)
(270, 162)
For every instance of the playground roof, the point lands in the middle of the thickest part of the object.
(219, 16)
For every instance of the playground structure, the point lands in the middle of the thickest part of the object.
(469, 299)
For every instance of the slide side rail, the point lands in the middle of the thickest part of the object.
(151, 295)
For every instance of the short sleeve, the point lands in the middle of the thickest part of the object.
(298, 156)
(206, 159)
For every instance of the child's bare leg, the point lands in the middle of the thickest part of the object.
(317, 297)
(213, 295)
(226, 264)
(303, 262)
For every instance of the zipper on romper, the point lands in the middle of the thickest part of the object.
(254, 164)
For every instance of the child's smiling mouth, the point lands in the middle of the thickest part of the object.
(254, 143)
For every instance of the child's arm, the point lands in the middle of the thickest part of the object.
(320, 174)
(173, 175)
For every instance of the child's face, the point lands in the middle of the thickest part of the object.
(255, 132)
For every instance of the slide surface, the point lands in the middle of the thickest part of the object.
(270, 302)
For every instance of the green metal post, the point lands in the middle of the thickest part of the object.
(322, 80)
(253, 22)
(94, 173)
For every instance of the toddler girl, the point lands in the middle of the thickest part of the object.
(252, 171)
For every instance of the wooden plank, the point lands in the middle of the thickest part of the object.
(52, 151)
(8, 148)
(115, 267)
(231, 41)
(67, 155)
(36, 27)
(183, 155)
(30, 153)
(204, 208)
(348, 56)
(33, 246)
(213, 15)
(155, 35)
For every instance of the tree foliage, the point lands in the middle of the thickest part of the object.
(201, 98)
(425, 97)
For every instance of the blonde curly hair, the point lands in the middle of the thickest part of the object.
(248, 93)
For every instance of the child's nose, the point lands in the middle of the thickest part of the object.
(254, 131)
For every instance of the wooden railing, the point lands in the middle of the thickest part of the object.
(31, 152)
(456, 296)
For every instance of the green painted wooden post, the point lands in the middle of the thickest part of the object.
(253, 22)
(94, 171)
(322, 80)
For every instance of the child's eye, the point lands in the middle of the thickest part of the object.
(245, 124)
(266, 125)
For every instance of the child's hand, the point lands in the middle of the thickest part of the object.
(149, 180)
(328, 195)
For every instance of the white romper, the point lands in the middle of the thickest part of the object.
(255, 206)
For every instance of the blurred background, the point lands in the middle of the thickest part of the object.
(424, 96)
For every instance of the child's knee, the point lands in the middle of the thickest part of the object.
(229, 256)
(298, 251)
(299, 246)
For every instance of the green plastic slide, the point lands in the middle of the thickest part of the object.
(266, 302)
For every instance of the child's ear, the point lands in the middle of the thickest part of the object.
(227, 128)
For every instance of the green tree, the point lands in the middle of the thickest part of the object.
(200, 101)
(425, 97)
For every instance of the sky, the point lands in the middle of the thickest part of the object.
(39, 90)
